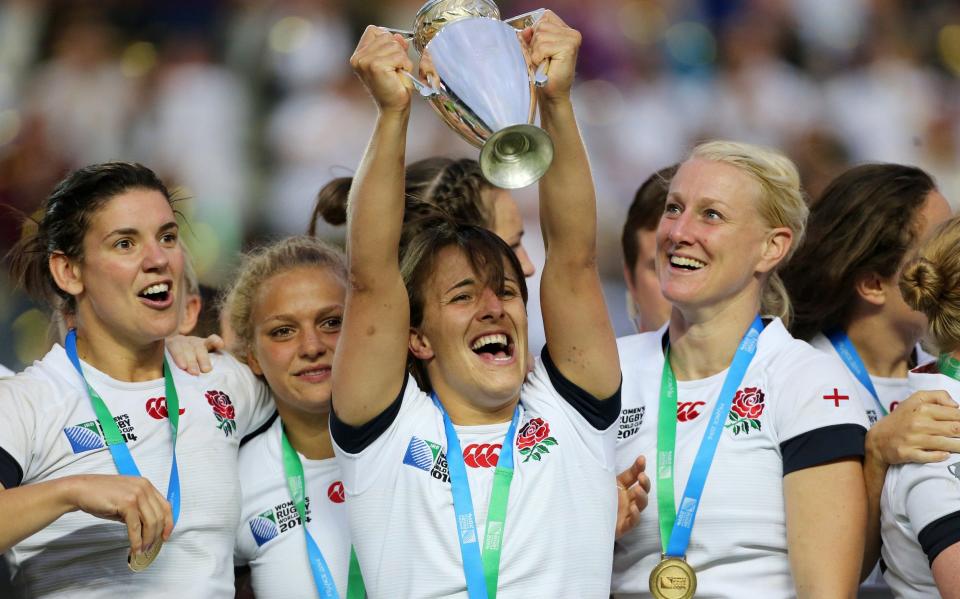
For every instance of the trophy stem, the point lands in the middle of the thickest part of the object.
(516, 156)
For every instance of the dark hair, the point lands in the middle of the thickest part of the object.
(67, 213)
(864, 222)
(483, 248)
(432, 185)
(645, 212)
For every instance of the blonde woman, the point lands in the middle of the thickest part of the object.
(758, 437)
(920, 504)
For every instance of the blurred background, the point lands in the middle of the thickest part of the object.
(247, 107)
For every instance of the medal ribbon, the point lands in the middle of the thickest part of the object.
(322, 578)
(483, 572)
(675, 527)
(848, 353)
(111, 432)
(949, 366)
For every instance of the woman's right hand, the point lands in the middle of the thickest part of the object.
(193, 353)
(378, 61)
(924, 428)
(132, 500)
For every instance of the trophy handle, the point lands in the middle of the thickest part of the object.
(525, 20)
(406, 35)
(521, 22)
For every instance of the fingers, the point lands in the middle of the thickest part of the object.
(214, 343)
(141, 507)
(633, 487)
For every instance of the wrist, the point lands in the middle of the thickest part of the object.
(873, 453)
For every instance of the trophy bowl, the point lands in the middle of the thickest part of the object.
(482, 86)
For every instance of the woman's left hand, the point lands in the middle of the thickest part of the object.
(552, 39)
(924, 428)
(633, 488)
(193, 353)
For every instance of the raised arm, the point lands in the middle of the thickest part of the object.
(370, 362)
(579, 335)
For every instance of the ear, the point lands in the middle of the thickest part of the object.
(419, 345)
(191, 313)
(870, 287)
(66, 273)
(254, 364)
(775, 248)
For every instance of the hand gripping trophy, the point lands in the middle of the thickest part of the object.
(480, 82)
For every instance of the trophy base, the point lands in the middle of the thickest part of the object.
(516, 156)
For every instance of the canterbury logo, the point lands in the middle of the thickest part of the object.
(954, 469)
(688, 410)
(157, 408)
(483, 455)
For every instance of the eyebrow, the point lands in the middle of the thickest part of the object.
(133, 231)
(292, 318)
(463, 283)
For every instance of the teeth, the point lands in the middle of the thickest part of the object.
(488, 339)
(158, 288)
(681, 261)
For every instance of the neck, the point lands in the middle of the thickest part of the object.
(463, 412)
(884, 350)
(308, 434)
(703, 342)
(118, 359)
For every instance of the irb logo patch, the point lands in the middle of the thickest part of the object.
(264, 527)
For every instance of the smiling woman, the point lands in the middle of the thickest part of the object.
(107, 251)
(424, 497)
(726, 391)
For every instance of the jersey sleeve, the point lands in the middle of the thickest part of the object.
(593, 420)
(819, 416)
(931, 499)
(364, 452)
(19, 399)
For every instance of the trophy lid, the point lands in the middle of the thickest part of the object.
(434, 14)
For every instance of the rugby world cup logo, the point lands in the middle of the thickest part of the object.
(264, 527)
(954, 469)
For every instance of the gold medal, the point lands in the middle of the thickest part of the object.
(140, 561)
(673, 578)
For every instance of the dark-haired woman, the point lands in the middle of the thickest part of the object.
(106, 454)
(920, 505)
(446, 186)
(422, 494)
(843, 283)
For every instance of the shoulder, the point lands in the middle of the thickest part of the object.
(46, 384)
(640, 346)
(793, 359)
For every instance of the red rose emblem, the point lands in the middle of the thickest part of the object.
(533, 432)
(748, 403)
(221, 404)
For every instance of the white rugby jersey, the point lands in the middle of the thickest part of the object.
(891, 390)
(4, 371)
(795, 408)
(561, 512)
(270, 535)
(49, 430)
(920, 508)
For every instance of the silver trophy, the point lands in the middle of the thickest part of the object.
(481, 84)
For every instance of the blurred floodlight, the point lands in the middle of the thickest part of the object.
(9, 125)
(138, 59)
(949, 42)
(642, 22)
(601, 102)
(289, 33)
(691, 44)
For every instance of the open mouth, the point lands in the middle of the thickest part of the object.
(495, 347)
(157, 294)
(685, 263)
